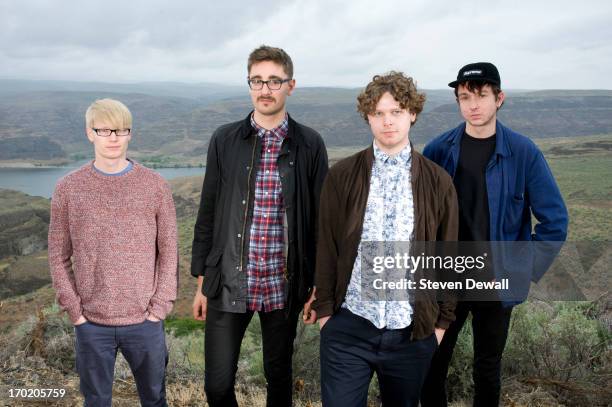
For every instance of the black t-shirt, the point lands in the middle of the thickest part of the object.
(471, 186)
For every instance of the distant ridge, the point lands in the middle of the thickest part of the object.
(174, 121)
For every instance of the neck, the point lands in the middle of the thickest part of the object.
(112, 165)
(484, 131)
(269, 122)
(393, 150)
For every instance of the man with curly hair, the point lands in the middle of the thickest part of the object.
(385, 193)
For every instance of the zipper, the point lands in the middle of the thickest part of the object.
(246, 207)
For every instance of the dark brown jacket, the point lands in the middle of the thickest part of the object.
(342, 210)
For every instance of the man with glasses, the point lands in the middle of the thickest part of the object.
(255, 234)
(113, 260)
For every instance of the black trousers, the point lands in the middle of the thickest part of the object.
(490, 323)
(352, 349)
(223, 336)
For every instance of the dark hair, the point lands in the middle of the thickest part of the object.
(401, 87)
(476, 87)
(277, 55)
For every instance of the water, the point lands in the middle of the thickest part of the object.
(41, 181)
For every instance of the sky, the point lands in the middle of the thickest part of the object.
(550, 44)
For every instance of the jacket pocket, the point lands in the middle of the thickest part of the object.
(211, 287)
(513, 218)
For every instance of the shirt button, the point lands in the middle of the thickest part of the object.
(244, 202)
(268, 150)
(267, 171)
(248, 167)
(233, 302)
(239, 235)
(265, 215)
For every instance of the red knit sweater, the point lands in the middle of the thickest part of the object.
(113, 245)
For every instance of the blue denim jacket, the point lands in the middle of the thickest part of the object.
(519, 184)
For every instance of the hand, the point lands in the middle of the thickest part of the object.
(323, 321)
(309, 315)
(439, 334)
(153, 318)
(80, 321)
(200, 302)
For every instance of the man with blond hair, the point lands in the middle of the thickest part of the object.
(113, 259)
(387, 193)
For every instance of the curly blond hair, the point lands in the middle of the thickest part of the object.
(401, 87)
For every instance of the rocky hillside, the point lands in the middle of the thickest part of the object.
(24, 223)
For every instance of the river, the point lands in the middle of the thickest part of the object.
(40, 181)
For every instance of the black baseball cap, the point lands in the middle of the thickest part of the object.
(479, 71)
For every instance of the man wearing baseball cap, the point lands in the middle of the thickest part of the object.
(502, 179)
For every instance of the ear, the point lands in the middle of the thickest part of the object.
(412, 118)
(91, 135)
(290, 87)
(500, 99)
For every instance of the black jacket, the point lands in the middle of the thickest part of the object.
(221, 234)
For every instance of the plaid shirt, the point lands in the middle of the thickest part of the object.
(266, 265)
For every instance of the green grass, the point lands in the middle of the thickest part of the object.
(583, 178)
(583, 170)
(182, 326)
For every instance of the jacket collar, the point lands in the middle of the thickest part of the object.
(247, 130)
(414, 168)
(501, 145)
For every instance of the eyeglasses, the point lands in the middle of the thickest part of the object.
(107, 132)
(273, 84)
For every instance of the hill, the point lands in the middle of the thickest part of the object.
(43, 121)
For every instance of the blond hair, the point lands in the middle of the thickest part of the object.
(111, 111)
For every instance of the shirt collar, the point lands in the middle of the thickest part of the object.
(279, 131)
(403, 157)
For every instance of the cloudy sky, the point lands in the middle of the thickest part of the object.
(535, 44)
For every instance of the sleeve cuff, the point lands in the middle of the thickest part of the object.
(74, 313)
(323, 309)
(158, 311)
(197, 267)
(443, 323)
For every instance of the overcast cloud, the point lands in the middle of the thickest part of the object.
(536, 44)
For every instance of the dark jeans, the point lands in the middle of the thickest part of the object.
(352, 349)
(223, 335)
(490, 323)
(143, 346)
